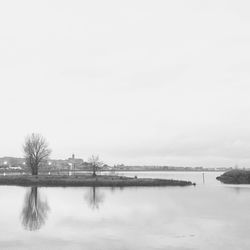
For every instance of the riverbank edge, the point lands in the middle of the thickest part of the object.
(236, 176)
(88, 181)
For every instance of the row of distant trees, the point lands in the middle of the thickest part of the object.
(36, 151)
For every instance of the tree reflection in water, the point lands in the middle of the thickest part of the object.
(35, 210)
(94, 198)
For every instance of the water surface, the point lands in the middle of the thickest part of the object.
(209, 216)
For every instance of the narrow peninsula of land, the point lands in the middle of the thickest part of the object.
(87, 181)
(235, 176)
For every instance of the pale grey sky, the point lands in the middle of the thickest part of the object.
(137, 82)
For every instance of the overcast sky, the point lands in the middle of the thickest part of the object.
(136, 81)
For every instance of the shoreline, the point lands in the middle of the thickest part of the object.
(236, 176)
(88, 181)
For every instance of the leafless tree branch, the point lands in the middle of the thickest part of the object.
(36, 150)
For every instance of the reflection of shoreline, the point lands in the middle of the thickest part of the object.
(94, 198)
(35, 210)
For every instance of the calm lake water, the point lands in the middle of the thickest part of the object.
(208, 216)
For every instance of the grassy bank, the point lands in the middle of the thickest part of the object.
(100, 181)
(235, 177)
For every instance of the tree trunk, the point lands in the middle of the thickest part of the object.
(94, 170)
(34, 170)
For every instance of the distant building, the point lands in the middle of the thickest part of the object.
(11, 162)
(76, 162)
(51, 164)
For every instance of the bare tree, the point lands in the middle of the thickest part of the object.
(95, 163)
(36, 150)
